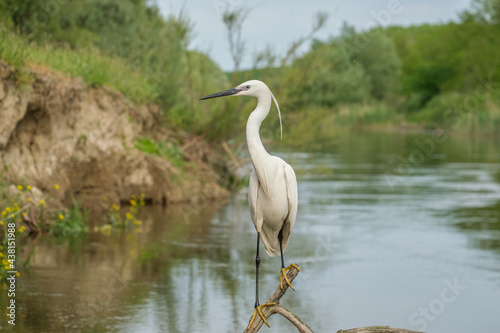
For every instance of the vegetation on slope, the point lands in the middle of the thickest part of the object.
(434, 76)
(425, 74)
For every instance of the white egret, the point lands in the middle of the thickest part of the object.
(273, 195)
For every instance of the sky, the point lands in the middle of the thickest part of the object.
(277, 23)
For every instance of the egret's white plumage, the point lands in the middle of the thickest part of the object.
(273, 185)
(272, 195)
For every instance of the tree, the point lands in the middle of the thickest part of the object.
(20, 10)
(487, 11)
(376, 52)
(233, 19)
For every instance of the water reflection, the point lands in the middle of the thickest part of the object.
(371, 252)
(481, 224)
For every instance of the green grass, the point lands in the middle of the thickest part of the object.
(176, 91)
(70, 223)
(163, 149)
(89, 63)
(312, 127)
(464, 112)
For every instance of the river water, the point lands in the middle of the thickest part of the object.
(393, 229)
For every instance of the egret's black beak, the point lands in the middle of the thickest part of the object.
(223, 93)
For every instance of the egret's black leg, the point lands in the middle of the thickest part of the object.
(280, 238)
(257, 264)
(258, 307)
(283, 269)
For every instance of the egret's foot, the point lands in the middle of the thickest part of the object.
(259, 311)
(283, 275)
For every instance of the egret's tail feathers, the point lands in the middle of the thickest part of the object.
(271, 243)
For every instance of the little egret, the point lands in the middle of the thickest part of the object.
(272, 195)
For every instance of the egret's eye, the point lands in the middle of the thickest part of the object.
(248, 87)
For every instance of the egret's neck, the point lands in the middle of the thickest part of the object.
(255, 146)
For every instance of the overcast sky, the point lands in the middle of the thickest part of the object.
(279, 22)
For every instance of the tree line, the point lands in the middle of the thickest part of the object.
(416, 72)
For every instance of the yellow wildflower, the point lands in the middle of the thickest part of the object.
(7, 209)
(56, 186)
(105, 228)
(19, 187)
(61, 216)
(4, 213)
(129, 216)
(137, 222)
(42, 202)
(1, 222)
(28, 188)
(17, 274)
(22, 229)
(133, 202)
(28, 199)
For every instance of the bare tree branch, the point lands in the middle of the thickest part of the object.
(233, 19)
(377, 329)
(268, 311)
(269, 58)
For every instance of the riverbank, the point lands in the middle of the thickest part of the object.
(318, 125)
(68, 139)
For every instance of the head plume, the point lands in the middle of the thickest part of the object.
(279, 114)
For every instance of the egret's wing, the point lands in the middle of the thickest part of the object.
(293, 201)
(253, 190)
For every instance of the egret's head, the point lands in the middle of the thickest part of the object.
(253, 88)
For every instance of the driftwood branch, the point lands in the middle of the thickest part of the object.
(377, 329)
(268, 311)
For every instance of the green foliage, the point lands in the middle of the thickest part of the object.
(485, 11)
(353, 68)
(377, 54)
(319, 125)
(163, 149)
(89, 63)
(71, 223)
(469, 112)
(325, 77)
(125, 44)
(453, 57)
(20, 11)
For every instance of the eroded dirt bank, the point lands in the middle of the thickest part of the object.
(57, 130)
